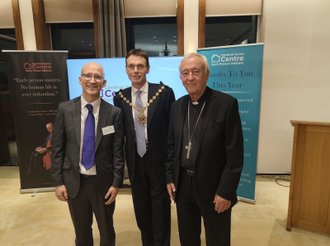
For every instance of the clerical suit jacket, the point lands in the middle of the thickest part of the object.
(109, 148)
(219, 159)
(157, 127)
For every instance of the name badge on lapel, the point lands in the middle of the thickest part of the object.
(108, 130)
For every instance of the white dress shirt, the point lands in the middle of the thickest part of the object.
(144, 98)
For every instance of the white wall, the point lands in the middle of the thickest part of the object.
(295, 84)
(27, 22)
(190, 26)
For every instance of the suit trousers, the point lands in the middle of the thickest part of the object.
(82, 207)
(190, 211)
(151, 204)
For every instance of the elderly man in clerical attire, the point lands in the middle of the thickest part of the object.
(205, 156)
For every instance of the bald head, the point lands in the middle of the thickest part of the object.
(92, 65)
(92, 81)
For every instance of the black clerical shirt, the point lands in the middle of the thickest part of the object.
(194, 111)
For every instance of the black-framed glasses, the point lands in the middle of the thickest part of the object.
(89, 76)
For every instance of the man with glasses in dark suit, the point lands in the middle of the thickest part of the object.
(88, 157)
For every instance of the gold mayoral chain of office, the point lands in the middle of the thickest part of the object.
(142, 118)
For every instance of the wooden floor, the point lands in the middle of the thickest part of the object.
(42, 220)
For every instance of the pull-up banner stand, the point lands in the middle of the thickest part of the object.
(37, 83)
(236, 70)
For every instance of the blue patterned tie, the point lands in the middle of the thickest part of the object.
(139, 129)
(88, 149)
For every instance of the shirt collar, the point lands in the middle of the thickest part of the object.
(202, 98)
(95, 104)
(144, 89)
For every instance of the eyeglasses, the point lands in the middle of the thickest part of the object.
(139, 67)
(88, 77)
(195, 73)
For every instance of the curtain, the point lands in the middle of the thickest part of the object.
(112, 33)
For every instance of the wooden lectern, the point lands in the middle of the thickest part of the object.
(309, 200)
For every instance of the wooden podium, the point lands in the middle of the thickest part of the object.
(309, 200)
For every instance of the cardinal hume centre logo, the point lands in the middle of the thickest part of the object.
(37, 67)
(227, 59)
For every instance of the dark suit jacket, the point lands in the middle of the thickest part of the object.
(219, 159)
(109, 154)
(157, 123)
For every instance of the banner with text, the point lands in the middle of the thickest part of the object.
(37, 83)
(237, 70)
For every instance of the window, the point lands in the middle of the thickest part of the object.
(156, 36)
(77, 38)
(7, 42)
(220, 31)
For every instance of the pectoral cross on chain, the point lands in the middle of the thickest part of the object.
(188, 148)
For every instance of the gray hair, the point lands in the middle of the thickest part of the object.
(194, 54)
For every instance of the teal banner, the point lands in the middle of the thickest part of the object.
(237, 70)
